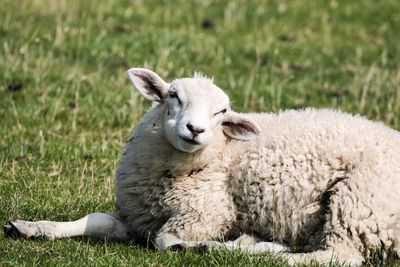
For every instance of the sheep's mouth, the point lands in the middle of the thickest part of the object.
(190, 141)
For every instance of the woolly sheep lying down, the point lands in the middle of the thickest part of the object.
(308, 185)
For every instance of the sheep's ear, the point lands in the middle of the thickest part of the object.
(239, 127)
(148, 83)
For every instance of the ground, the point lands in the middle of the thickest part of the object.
(66, 107)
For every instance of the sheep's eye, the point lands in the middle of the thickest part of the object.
(173, 95)
(220, 112)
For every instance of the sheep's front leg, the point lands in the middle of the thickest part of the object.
(345, 255)
(246, 243)
(96, 225)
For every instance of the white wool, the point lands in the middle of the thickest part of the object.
(200, 75)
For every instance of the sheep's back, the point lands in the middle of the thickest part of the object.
(281, 181)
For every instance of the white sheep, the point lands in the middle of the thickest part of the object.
(308, 185)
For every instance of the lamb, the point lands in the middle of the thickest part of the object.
(309, 185)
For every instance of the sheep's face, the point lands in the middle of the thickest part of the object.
(194, 108)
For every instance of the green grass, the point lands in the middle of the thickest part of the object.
(66, 106)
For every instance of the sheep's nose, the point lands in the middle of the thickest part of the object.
(194, 130)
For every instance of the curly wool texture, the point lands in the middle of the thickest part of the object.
(313, 179)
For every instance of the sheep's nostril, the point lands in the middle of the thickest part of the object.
(194, 130)
(190, 127)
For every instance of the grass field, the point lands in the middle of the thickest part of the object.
(66, 106)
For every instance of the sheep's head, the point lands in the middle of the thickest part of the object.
(194, 110)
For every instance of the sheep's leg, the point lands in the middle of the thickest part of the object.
(346, 256)
(96, 225)
(245, 243)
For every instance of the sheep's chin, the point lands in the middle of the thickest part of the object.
(183, 146)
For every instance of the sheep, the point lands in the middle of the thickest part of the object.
(307, 185)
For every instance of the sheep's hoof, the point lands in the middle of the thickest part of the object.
(168, 241)
(10, 230)
(177, 247)
(201, 247)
